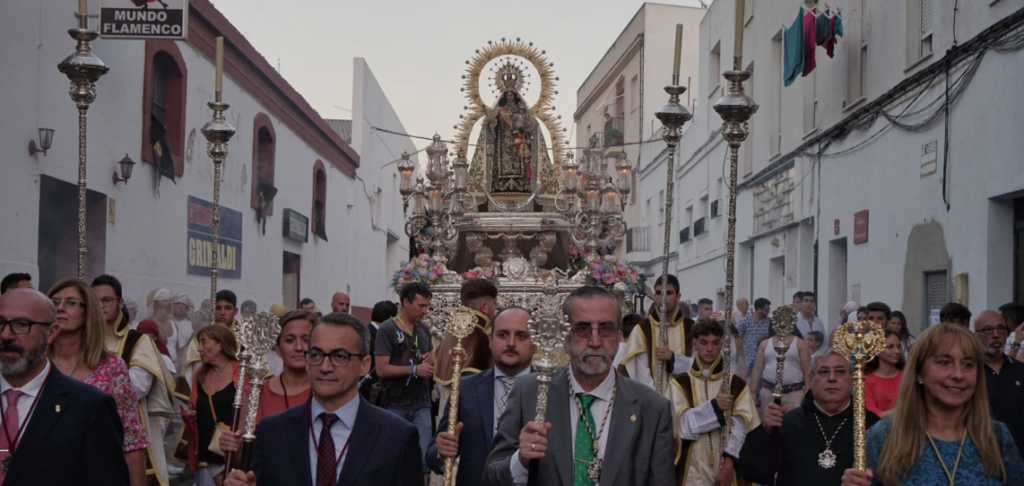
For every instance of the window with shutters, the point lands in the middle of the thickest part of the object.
(319, 200)
(936, 292)
(714, 68)
(264, 152)
(164, 101)
(856, 53)
(776, 106)
(920, 17)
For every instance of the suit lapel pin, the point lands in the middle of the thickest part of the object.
(57, 408)
(632, 418)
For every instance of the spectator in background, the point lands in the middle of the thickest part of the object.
(898, 324)
(163, 310)
(248, 309)
(879, 313)
(340, 302)
(307, 304)
(1014, 315)
(742, 308)
(629, 321)
(704, 308)
(132, 306)
(1003, 375)
(798, 301)
(957, 314)
(806, 320)
(15, 281)
(694, 311)
(862, 313)
(382, 311)
(753, 329)
(849, 312)
(182, 319)
(814, 341)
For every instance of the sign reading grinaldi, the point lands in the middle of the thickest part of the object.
(144, 19)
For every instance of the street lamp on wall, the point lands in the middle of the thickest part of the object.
(126, 165)
(45, 142)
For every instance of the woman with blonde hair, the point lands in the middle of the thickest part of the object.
(942, 431)
(79, 353)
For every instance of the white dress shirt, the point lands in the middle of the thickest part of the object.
(806, 327)
(603, 392)
(29, 391)
(499, 389)
(643, 367)
(340, 431)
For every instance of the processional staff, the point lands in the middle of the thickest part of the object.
(783, 322)
(460, 324)
(264, 333)
(243, 333)
(548, 331)
(861, 342)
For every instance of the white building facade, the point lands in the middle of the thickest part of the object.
(325, 230)
(854, 183)
(617, 102)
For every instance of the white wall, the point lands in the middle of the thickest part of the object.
(146, 245)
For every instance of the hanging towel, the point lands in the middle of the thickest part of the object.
(809, 46)
(830, 43)
(793, 49)
(822, 28)
(837, 28)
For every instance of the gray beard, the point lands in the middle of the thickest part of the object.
(580, 363)
(23, 363)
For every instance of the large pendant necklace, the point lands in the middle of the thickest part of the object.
(827, 458)
(594, 466)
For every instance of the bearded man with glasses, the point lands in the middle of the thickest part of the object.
(1004, 376)
(602, 427)
(337, 437)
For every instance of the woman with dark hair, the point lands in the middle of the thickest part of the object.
(211, 402)
(883, 375)
(942, 431)
(898, 323)
(79, 353)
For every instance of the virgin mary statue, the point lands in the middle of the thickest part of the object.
(510, 132)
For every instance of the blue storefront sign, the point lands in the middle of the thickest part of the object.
(200, 239)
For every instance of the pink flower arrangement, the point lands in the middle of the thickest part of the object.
(420, 269)
(607, 272)
(481, 272)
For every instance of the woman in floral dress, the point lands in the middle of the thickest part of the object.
(78, 352)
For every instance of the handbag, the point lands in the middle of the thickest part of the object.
(218, 431)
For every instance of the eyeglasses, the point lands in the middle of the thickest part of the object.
(109, 300)
(605, 330)
(988, 330)
(339, 358)
(21, 326)
(68, 303)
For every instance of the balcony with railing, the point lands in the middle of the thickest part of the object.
(614, 132)
(637, 240)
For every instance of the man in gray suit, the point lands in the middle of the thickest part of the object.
(609, 430)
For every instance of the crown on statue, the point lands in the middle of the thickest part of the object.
(509, 77)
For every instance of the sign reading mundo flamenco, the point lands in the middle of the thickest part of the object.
(200, 239)
(144, 19)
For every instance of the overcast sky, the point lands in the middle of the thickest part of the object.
(417, 49)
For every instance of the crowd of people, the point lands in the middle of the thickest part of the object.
(347, 402)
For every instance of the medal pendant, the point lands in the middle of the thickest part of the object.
(594, 470)
(827, 459)
(5, 465)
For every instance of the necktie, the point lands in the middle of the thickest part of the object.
(10, 425)
(507, 382)
(327, 461)
(584, 450)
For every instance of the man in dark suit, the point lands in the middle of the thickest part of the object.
(609, 425)
(70, 424)
(483, 398)
(337, 437)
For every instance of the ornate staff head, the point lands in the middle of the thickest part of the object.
(861, 342)
(783, 322)
(549, 329)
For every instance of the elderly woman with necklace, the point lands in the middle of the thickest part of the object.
(78, 352)
(942, 432)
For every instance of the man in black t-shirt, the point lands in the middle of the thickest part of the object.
(404, 363)
(1004, 376)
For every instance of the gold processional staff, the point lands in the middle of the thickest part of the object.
(783, 322)
(861, 342)
(460, 324)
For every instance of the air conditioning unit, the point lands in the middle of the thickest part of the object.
(684, 234)
(714, 208)
(698, 227)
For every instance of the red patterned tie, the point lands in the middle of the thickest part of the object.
(10, 425)
(327, 460)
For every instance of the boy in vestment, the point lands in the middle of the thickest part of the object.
(700, 408)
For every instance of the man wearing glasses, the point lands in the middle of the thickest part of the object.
(602, 427)
(337, 437)
(1004, 377)
(48, 417)
(151, 380)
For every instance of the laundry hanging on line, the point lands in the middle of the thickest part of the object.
(810, 29)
